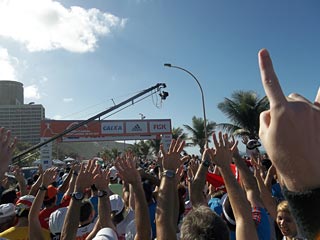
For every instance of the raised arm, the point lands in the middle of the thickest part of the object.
(248, 180)
(21, 181)
(6, 150)
(83, 181)
(35, 230)
(101, 181)
(129, 173)
(221, 156)
(196, 184)
(168, 194)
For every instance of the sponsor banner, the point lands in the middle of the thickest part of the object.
(50, 128)
(107, 130)
(112, 138)
(136, 127)
(112, 127)
(160, 126)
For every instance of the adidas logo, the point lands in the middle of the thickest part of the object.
(136, 128)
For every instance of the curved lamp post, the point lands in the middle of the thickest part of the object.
(202, 95)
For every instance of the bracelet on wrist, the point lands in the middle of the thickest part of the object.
(168, 173)
(206, 163)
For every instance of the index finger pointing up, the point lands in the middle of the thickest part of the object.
(269, 79)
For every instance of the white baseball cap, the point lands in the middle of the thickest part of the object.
(106, 234)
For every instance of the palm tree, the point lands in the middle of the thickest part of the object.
(243, 110)
(141, 149)
(197, 131)
(178, 133)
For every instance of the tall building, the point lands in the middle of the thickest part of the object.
(24, 120)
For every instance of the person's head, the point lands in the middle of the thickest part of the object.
(7, 216)
(9, 196)
(56, 220)
(113, 174)
(117, 208)
(50, 197)
(106, 234)
(23, 206)
(201, 223)
(285, 221)
(86, 212)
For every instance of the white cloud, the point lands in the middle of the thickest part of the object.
(68, 99)
(7, 65)
(44, 25)
(31, 92)
(57, 117)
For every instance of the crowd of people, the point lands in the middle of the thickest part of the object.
(222, 195)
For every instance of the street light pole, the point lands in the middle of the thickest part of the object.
(202, 95)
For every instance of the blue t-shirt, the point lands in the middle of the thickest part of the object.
(215, 205)
(261, 219)
(94, 202)
(152, 214)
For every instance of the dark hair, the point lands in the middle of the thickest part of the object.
(85, 210)
(8, 196)
(49, 202)
(24, 213)
(117, 218)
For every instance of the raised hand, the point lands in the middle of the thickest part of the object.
(6, 149)
(101, 179)
(171, 159)
(290, 131)
(127, 170)
(222, 155)
(86, 175)
(49, 176)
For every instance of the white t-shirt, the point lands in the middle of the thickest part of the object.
(84, 231)
(121, 227)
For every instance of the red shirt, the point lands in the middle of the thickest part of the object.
(44, 214)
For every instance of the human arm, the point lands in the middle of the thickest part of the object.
(129, 173)
(248, 180)
(196, 184)
(290, 133)
(35, 230)
(21, 181)
(221, 156)
(71, 182)
(167, 193)
(34, 188)
(83, 181)
(101, 181)
(6, 149)
(265, 193)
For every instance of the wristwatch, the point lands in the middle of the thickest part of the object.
(43, 188)
(169, 173)
(102, 193)
(77, 195)
(206, 163)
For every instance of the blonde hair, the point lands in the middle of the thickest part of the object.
(283, 207)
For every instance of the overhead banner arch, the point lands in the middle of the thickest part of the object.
(104, 130)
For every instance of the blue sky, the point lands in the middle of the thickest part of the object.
(74, 56)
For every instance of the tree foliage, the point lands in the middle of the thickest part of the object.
(243, 110)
